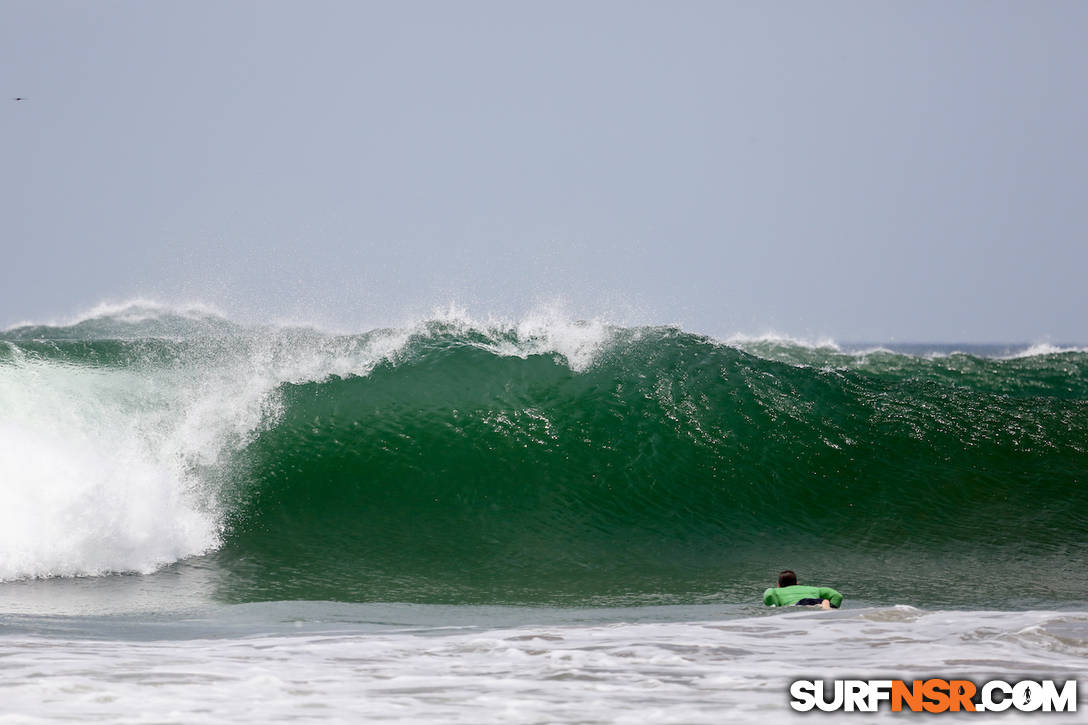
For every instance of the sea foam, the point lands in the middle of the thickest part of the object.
(93, 479)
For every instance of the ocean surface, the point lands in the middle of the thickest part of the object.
(541, 520)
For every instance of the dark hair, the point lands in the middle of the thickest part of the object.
(787, 579)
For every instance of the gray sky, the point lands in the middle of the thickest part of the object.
(861, 170)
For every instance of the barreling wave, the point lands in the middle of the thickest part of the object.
(499, 461)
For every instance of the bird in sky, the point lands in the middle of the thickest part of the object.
(20, 99)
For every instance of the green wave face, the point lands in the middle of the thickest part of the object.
(672, 467)
(464, 464)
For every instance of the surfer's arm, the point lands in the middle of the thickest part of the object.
(770, 599)
(831, 595)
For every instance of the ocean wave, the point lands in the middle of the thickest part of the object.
(500, 456)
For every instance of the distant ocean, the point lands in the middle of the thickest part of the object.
(541, 520)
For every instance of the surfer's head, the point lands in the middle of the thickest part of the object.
(787, 579)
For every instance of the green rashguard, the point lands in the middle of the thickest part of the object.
(787, 596)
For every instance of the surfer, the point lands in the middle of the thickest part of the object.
(789, 592)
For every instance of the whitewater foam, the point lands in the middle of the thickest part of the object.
(700, 671)
(92, 481)
(1044, 348)
(129, 311)
(546, 329)
(777, 338)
